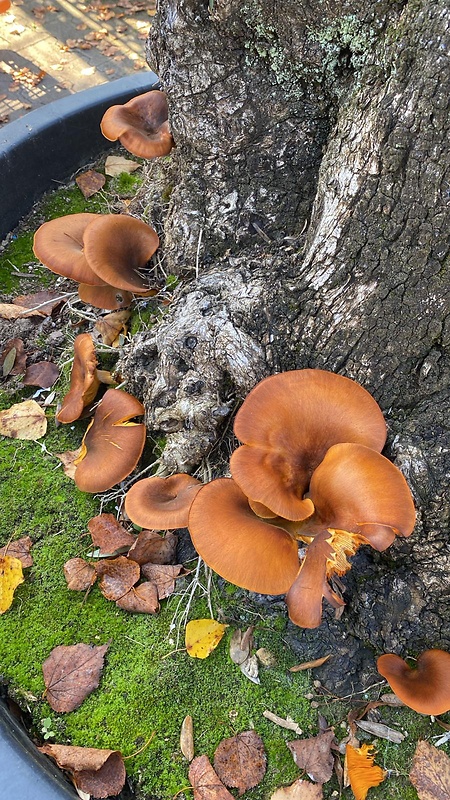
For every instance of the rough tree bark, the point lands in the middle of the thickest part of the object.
(309, 216)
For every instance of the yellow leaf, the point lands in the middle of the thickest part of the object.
(203, 636)
(10, 577)
(24, 420)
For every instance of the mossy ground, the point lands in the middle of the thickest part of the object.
(149, 683)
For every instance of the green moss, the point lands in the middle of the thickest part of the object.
(125, 185)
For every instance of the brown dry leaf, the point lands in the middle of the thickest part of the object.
(68, 460)
(430, 773)
(100, 773)
(11, 311)
(241, 761)
(205, 782)
(391, 700)
(299, 790)
(24, 420)
(43, 374)
(115, 165)
(241, 645)
(187, 738)
(109, 535)
(90, 182)
(142, 599)
(11, 576)
(118, 576)
(152, 547)
(163, 576)
(44, 302)
(314, 756)
(71, 673)
(20, 548)
(380, 730)
(79, 574)
(13, 358)
(310, 664)
(112, 325)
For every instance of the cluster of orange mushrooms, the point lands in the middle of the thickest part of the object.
(308, 484)
(108, 254)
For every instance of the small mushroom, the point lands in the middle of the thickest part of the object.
(84, 382)
(112, 444)
(117, 248)
(4, 6)
(141, 125)
(426, 688)
(58, 244)
(287, 423)
(244, 549)
(162, 503)
(107, 297)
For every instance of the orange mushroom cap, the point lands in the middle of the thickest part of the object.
(105, 296)
(112, 445)
(58, 244)
(117, 247)
(4, 6)
(162, 502)
(357, 489)
(287, 423)
(304, 598)
(425, 689)
(141, 125)
(245, 550)
(84, 382)
(362, 772)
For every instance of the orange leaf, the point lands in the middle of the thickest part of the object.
(362, 772)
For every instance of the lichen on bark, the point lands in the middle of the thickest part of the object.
(309, 218)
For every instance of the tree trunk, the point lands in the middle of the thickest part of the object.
(309, 218)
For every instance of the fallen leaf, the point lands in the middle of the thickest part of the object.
(205, 782)
(18, 358)
(12, 311)
(430, 773)
(378, 729)
(299, 790)
(362, 772)
(391, 700)
(163, 576)
(310, 664)
(314, 756)
(241, 645)
(79, 574)
(19, 548)
(100, 773)
(43, 373)
(250, 669)
(152, 547)
(241, 761)
(24, 420)
(115, 165)
(112, 325)
(90, 182)
(109, 535)
(118, 576)
(11, 576)
(187, 738)
(142, 599)
(71, 673)
(68, 460)
(283, 723)
(43, 303)
(202, 636)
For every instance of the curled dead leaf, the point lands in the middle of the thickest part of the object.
(112, 325)
(163, 576)
(109, 535)
(205, 782)
(241, 645)
(152, 547)
(100, 773)
(71, 673)
(79, 574)
(118, 576)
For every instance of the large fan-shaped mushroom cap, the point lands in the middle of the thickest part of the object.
(112, 445)
(117, 248)
(162, 502)
(105, 296)
(84, 382)
(357, 489)
(425, 689)
(141, 125)
(241, 547)
(58, 243)
(287, 424)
